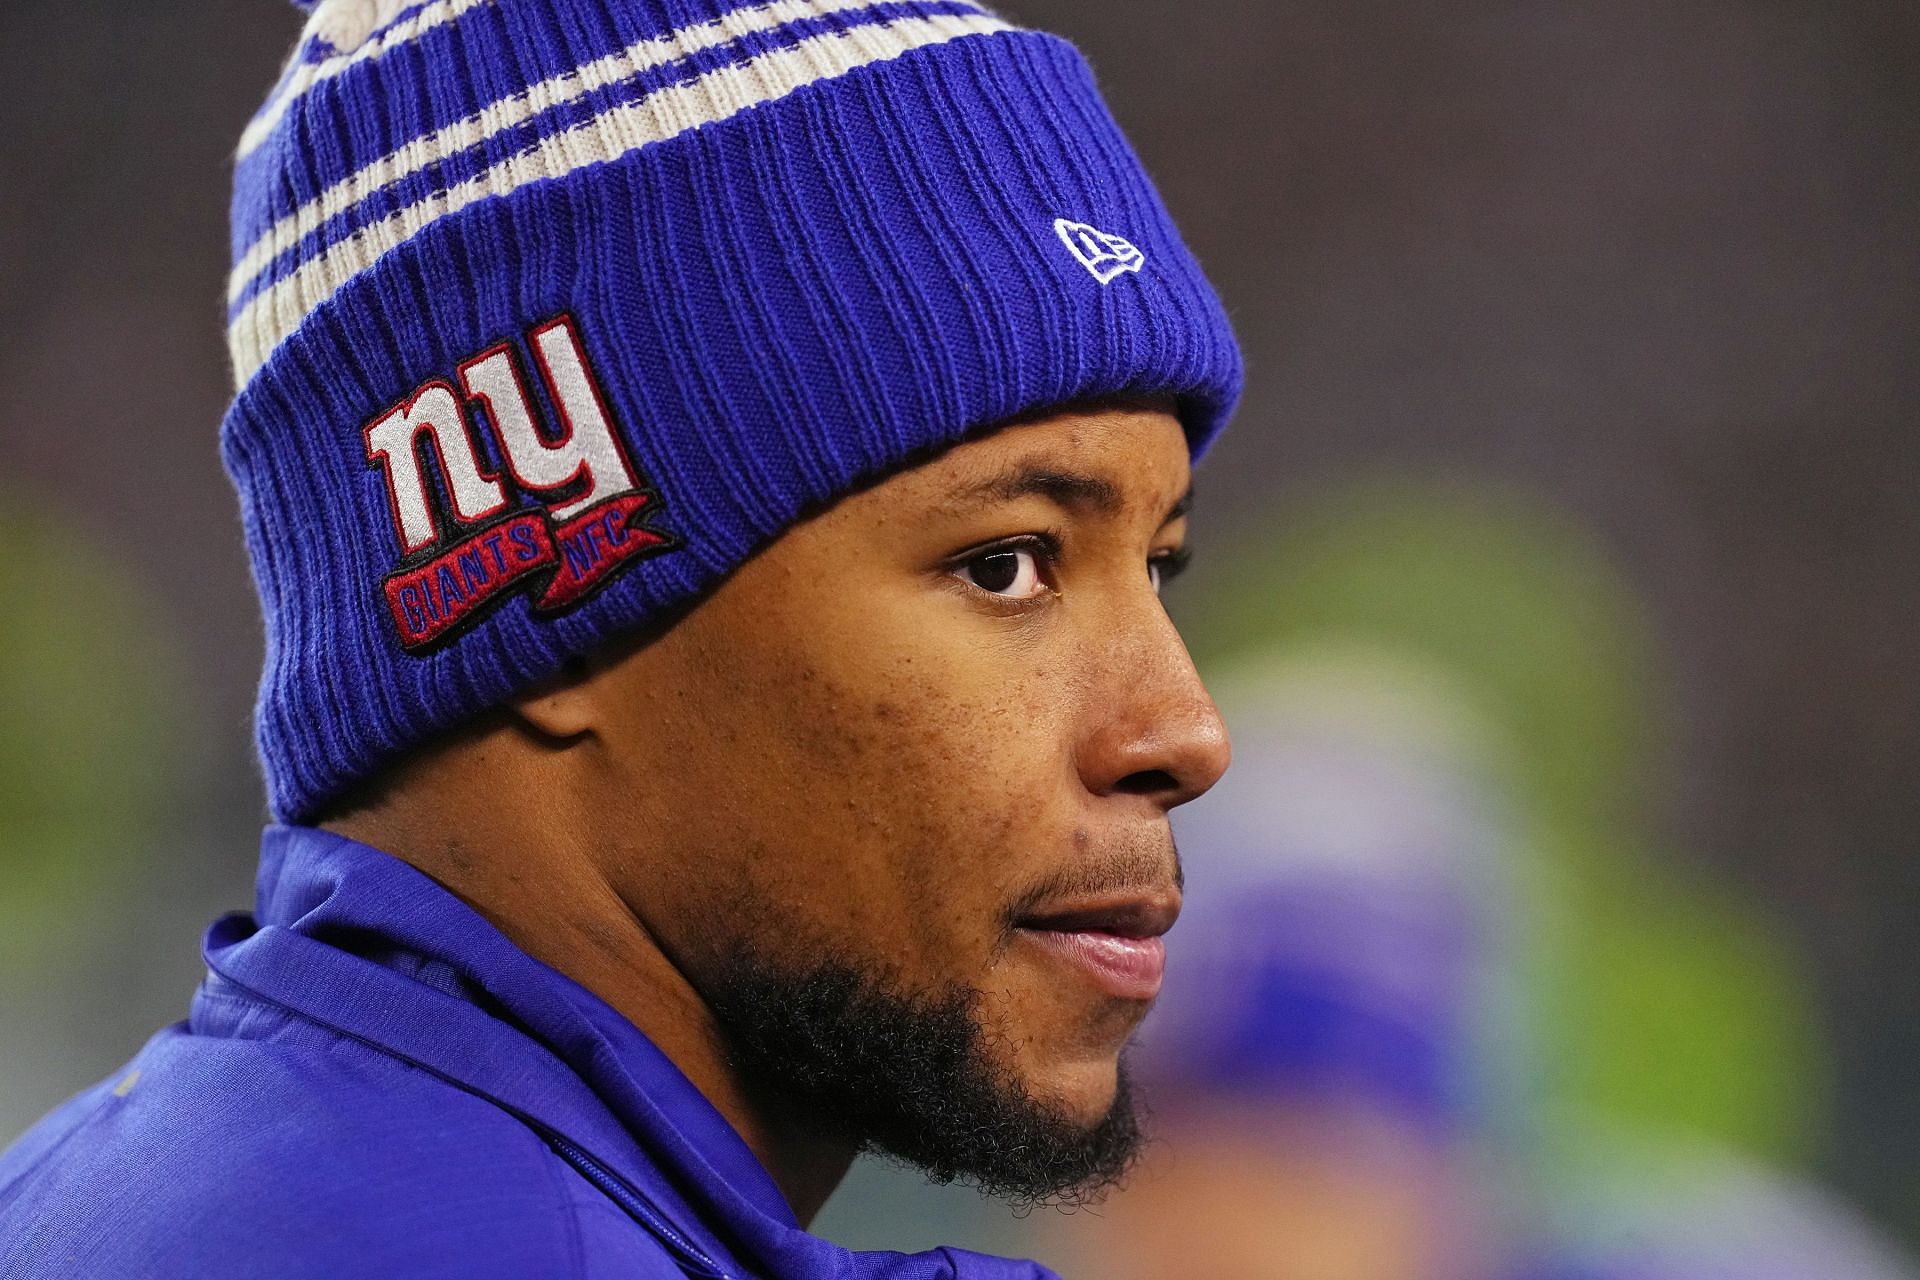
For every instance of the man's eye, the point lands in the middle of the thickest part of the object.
(1013, 572)
(1168, 564)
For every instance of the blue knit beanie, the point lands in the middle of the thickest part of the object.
(547, 314)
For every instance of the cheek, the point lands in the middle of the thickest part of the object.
(885, 805)
(946, 792)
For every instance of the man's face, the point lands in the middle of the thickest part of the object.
(930, 739)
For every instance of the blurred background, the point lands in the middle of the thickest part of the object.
(1558, 580)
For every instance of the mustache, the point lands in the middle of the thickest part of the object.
(1136, 866)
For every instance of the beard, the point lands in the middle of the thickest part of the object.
(912, 1078)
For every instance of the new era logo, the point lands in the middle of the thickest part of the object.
(1106, 255)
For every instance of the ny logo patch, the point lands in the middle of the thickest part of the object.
(564, 516)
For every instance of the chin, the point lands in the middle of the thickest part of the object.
(1081, 1091)
(1067, 1055)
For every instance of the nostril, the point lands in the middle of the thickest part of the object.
(1149, 782)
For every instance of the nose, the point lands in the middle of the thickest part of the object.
(1153, 729)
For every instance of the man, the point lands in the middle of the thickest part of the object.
(708, 470)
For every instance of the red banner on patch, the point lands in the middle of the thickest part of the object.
(430, 601)
(593, 544)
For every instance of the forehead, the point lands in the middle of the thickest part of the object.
(1105, 460)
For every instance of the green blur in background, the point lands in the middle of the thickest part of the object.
(1657, 999)
(93, 740)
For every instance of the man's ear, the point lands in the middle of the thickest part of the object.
(560, 709)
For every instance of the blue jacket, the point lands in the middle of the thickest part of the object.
(372, 1081)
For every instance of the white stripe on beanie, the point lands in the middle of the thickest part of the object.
(305, 75)
(277, 311)
(514, 109)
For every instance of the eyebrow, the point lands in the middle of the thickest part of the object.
(1072, 490)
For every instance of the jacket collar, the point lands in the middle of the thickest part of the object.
(362, 942)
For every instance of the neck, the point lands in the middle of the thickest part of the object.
(578, 925)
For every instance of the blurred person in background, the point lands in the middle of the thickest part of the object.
(1442, 1013)
(708, 473)
(1313, 1073)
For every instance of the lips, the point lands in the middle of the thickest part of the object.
(1115, 944)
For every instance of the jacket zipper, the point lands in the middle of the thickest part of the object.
(616, 1190)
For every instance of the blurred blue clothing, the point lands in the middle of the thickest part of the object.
(373, 1081)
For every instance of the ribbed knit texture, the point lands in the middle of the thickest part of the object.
(800, 245)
